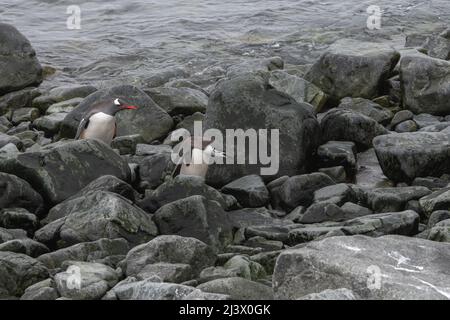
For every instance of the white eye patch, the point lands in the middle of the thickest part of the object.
(117, 102)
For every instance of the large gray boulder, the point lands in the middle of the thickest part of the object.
(104, 183)
(405, 156)
(351, 68)
(19, 271)
(170, 249)
(86, 251)
(149, 121)
(196, 217)
(425, 84)
(17, 193)
(389, 267)
(299, 190)
(368, 108)
(247, 102)
(51, 168)
(19, 66)
(346, 125)
(238, 288)
(250, 191)
(438, 200)
(101, 215)
(149, 290)
(182, 187)
(298, 88)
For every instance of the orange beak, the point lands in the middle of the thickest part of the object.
(130, 107)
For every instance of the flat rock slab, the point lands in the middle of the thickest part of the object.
(389, 267)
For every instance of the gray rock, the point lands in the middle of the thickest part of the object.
(16, 192)
(7, 139)
(367, 108)
(250, 191)
(18, 272)
(390, 267)
(167, 272)
(102, 215)
(51, 123)
(196, 217)
(406, 126)
(179, 100)
(238, 289)
(64, 106)
(426, 84)
(323, 211)
(394, 199)
(298, 88)
(188, 121)
(355, 210)
(150, 121)
(85, 280)
(150, 150)
(338, 153)
(353, 69)
(405, 156)
(11, 234)
(17, 99)
(401, 116)
(19, 66)
(438, 200)
(79, 162)
(185, 186)
(63, 93)
(438, 216)
(337, 194)
(86, 251)
(255, 65)
(104, 183)
(426, 120)
(26, 246)
(247, 217)
(161, 77)
(170, 249)
(126, 144)
(299, 190)
(338, 173)
(375, 225)
(24, 114)
(8, 150)
(149, 290)
(234, 104)
(440, 232)
(18, 218)
(346, 125)
(331, 294)
(437, 47)
(153, 169)
(43, 290)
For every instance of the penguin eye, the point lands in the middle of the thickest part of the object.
(117, 102)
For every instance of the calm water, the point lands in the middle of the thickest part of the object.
(125, 41)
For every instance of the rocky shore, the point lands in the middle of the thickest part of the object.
(359, 209)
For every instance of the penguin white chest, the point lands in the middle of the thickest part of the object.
(197, 167)
(101, 126)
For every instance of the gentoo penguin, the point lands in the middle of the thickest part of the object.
(99, 122)
(201, 153)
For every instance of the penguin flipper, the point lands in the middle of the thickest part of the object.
(83, 125)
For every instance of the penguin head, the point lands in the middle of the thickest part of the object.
(119, 105)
